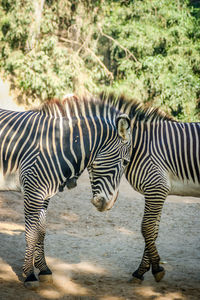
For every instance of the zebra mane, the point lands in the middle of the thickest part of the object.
(57, 108)
(136, 110)
(52, 107)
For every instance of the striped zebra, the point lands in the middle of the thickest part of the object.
(45, 149)
(165, 160)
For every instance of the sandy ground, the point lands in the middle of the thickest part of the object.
(93, 254)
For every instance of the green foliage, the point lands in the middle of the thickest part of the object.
(14, 26)
(147, 49)
(60, 58)
(164, 37)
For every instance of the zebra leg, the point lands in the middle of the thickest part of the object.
(150, 226)
(39, 257)
(45, 273)
(32, 208)
(144, 267)
(31, 236)
(157, 271)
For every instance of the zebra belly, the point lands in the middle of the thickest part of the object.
(9, 182)
(184, 187)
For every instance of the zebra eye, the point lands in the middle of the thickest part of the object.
(125, 162)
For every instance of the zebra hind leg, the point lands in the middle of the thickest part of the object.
(150, 226)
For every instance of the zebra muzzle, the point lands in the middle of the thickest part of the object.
(99, 203)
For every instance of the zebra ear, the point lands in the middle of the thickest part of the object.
(123, 127)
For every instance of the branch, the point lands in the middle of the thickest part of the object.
(109, 74)
(116, 42)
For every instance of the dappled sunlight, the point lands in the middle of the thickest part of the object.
(146, 291)
(68, 286)
(6, 272)
(90, 268)
(89, 281)
(84, 266)
(126, 231)
(50, 293)
(181, 199)
(64, 282)
(149, 292)
(92, 255)
(111, 298)
(70, 217)
(62, 285)
(11, 228)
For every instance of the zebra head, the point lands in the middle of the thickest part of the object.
(106, 170)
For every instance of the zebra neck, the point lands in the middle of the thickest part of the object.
(81, 140)
(139, 130)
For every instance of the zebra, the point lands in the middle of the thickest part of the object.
(165, 160)
(44, 149)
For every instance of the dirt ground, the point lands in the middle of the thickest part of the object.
(93, 254)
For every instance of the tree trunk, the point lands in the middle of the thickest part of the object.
(35, 26)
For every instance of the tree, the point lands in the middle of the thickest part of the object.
(147, 49)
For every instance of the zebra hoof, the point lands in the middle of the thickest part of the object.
(135, 280)
(31, 282)
(159, 275)
(45, 276)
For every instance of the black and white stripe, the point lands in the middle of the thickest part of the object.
(165, 159)
(43, 150)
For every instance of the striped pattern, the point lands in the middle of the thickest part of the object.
(172, 148)
(165, 159)
(42, 150)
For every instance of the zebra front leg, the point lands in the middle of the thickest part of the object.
(32, 208)
(45, 274)
(143, 268)
(39, 258)
(31, 236)
(150, 226)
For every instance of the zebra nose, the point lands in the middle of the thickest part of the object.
(99, 203)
